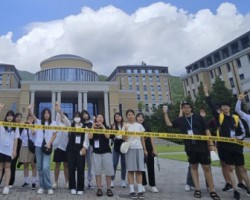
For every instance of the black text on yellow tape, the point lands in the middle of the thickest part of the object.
(127, 133)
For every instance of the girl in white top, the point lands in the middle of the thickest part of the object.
(60, 143)
(243, 115)
(26, 156)
(43, 160)
(135, 156)
(8, 147)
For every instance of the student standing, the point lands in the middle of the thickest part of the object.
(118, 124)
(135, 156)
(150, 158)
(26, 156)
(197, 151)
(76, 151)
(8, 147)
(43, 160)
(102, 157)
(61, 142)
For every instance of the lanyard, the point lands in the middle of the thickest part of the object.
(190, 123)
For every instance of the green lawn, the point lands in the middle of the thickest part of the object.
(183, 157)
(171, 148)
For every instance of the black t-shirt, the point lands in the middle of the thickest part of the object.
(75, 140)
(197, 124)
(148, 143)
(100, 144)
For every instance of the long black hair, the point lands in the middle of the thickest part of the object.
(42, 117)
(9, 113)
(87, 113)
(104, 121)
(147, 128)
(115, 122)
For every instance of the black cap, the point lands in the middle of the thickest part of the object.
(225, 103)
(185, 103)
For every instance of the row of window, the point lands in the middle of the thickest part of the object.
(66, 74)
(144, 71)
(143, 78)
(145, 88)
(152, 97)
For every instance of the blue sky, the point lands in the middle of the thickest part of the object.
(16, 14)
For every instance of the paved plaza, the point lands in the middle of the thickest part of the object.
(170, 181)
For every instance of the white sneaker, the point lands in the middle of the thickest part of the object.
(143, 189)
(112, 184)
(50, 191)
(73, 191)
(10, 186)
(154, 190)
(40, 191)
(6, 190)
(80, 192)
(90, 185)
(55, 185)
(187, 188)
(124, 184)
(67, 185)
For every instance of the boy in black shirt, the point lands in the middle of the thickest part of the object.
(196, 150)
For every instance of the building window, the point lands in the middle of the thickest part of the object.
(158, 87)
(245, 43)
(202, 64)
(211, 74)
(187, 82)
(149, 71)
(192, 80)
(231, 82)
(137, 87)
(138, 97)
(144, 79)
(154, 106)
(160, 97)
(151, 79)
(242, 77)
(152, 88)
(153, 97)
(143, 71)
(225, 53)
(235, 47)
(146, 107)
(137, 79)
(217, 57)
(145, 97)
(219, 71)
(228, 67)
(157, 79)
(238, 63)
(144, 87)
(197, 78)
(209, 61)
(194, 92)
(156, 71)
(130, 87)
(129, 79)
(129, 71)
(135, 71)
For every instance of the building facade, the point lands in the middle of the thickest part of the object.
(150, 83)
(9, 77)
(230, 62)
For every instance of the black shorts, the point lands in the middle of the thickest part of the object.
(198, 157)
(59, 156)
(5, 158)
(231, 158)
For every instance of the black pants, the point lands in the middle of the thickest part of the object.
(151, 171)
(76, 162)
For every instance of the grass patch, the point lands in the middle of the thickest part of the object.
(171, 148)
(183, 157)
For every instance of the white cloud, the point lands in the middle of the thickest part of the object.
(160, 34)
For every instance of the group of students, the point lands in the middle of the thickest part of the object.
(101, 152)
(198, 152)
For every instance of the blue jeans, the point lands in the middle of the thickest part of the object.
(116, 156)
(43, 168)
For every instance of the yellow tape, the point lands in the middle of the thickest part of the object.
(127, 133)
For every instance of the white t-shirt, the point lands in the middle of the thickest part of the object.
(135, 141)
(7, 139)
(48, 133)
(24, 137)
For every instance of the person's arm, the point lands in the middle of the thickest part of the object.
(125, 128)
(238, 106)
(17, 135)
(210, 143)
(30, 107)
(85, 145)
(180, 113)
(153, 145)
(144, 146)
(209, 102)
(167, 120)
(241, 129)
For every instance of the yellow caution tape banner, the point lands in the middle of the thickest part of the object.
(127, 133)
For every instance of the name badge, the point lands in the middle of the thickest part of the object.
(190, 132)
(78, 139)
(232, 133)
(97, 144)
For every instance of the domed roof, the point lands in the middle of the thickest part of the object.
(66, 56)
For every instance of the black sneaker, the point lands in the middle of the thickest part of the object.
(242, 186)
(227, 187)
(133, 195)
(236, 195)
(141, 195)
(33, 186)
(25, 185)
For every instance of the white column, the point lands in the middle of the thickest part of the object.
(79, 105)
(32, 98)
(106, 107)
(58, 98)
(53, 101)
(85, 101)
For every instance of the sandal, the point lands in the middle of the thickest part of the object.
(109, 193)
(99, 193)
(197, 194)
(214, 196)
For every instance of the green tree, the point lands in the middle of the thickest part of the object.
(141, 106)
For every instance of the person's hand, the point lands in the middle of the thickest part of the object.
(13, 154)
(1, 106)
(165, 109)
(57, 107)
(145, 152)
(155, 152)
(126, 127)
(48, 146)
(205, 90)
(83, 151)
(30, 107)
(242, 96)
